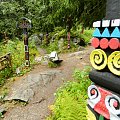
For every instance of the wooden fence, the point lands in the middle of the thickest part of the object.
(5, 61)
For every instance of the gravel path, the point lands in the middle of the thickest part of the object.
(44, 89)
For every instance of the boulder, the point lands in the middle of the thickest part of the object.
(25, 89)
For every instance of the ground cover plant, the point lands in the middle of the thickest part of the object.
(71, 98)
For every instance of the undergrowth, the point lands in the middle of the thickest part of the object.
(58, 39)
(71, 98)
(16, 49)
(52, 64)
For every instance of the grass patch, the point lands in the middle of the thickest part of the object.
(71, 98)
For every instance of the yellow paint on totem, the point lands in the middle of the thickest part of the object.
(90, 115)
(98, 59)
(114, 63)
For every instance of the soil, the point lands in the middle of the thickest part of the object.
(38, 107)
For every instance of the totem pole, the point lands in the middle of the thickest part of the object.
(104, 93)
(69, 26)
(24, 24)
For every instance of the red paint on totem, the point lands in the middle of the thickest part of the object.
(100, 107)
(93, 92)
(104, 43)
(114, 43)
(95, 42)
(68, 37)
(115, 104)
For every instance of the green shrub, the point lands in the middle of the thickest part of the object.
(4, 74)
(78, 75)
(86, 35)
(53, 46)
(52, 64)
(71, 98)
(16, 48)
(60, 32)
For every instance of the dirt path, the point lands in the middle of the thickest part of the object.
(37, 108)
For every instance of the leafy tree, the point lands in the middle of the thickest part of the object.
(8, 13)
(48, 14)
(93, 10)
(67, 12)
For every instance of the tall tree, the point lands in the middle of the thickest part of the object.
(9, 15)
(47, 14)
(93, 10)
(66, 12)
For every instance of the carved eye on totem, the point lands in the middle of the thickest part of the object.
(113, 104)
(93, 92)
(98, 59)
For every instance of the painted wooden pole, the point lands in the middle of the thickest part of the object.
(68, 37)
(26, 48)
(24, 24)
(104, 93)
(69, 26)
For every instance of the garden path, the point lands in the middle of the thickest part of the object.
(43, 91)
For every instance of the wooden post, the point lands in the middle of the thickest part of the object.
(25, 23)
(68, 37)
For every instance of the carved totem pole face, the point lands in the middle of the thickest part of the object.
(104, 94)
(106, 43)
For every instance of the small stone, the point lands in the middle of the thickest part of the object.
(81, 58)
(17, 70)
(38, 59)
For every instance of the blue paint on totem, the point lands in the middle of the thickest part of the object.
(105, 33)
(97, 33)
(116, 33)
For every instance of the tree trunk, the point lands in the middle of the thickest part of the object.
(82, 31)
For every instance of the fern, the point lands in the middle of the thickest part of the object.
(71, 98)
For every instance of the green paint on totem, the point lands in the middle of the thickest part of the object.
(101, 117)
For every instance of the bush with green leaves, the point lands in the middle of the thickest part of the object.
(4, 74)
(60, 32)
(71, 98)
(16, 49)
(52, 64)
(53, 46)
(48, 14)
